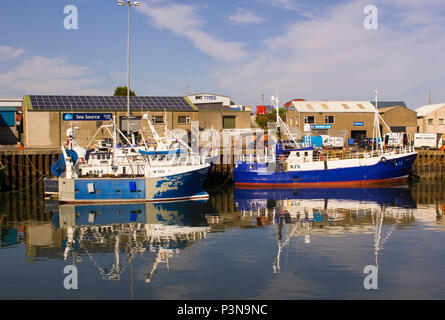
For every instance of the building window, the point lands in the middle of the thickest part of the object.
(157, 119)
(329, 119)
(430, 121)
(440, 120)
(309, 119)
(183, 119)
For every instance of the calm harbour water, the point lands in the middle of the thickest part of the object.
(240, 244)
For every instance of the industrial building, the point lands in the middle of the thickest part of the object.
(10, 120)
(347, 119)
(219, 112)
(399, 119)
(46, 118)
(431, 118)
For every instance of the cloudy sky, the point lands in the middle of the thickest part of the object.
(317, 49)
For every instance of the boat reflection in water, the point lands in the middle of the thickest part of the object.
(156, 229)
(321, 212)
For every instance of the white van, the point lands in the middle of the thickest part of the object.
(334, 142)
(425, 141)
(396, 139)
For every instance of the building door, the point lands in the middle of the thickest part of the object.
(358, 134)
(229, 122)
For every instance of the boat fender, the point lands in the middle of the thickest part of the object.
(383, 159)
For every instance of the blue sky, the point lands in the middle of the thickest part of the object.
(315, 49)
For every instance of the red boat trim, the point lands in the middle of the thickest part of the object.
(333, 184)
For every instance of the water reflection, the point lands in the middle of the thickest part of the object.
(307, 212)
(159, 229)
(334, 233)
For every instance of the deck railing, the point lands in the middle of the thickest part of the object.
(329, 156)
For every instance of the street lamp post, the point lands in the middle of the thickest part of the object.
(128, 3)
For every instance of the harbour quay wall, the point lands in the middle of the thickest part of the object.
(430, 164)
(26, 166)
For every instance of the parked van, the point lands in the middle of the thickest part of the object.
(425, 141)
(396, 139)
(334, 142)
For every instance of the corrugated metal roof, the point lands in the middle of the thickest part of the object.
(333, 106)
(10, 102)
(382, 110)
(424, 110)
(385, 104)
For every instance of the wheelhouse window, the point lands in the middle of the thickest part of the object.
(430, 121)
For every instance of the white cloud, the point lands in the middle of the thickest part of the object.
(9, 53)
(333, 57)
(40, 75)
(184, 21)
(243, 16)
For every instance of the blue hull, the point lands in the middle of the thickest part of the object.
(175, 187)
(181, 213)
(248, 173)
(247, 199)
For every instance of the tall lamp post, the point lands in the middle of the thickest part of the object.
(129, 4)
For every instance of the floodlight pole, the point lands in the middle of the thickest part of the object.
(128, 3)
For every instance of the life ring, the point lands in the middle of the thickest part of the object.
(281, 157)
(383, 159)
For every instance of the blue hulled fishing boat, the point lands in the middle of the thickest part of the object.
(307, 167)
(126, 171)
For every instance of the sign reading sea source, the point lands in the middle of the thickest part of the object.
(87, 116)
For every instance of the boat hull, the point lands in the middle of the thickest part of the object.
(187, 185)
(370, 171)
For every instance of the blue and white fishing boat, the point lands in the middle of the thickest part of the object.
(307, 167)
(127, 172)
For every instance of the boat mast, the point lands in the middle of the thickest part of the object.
(376, 128)
(114, 140)
(275, 103)
(280, 122)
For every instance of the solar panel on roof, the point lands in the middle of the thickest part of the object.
(40, 102)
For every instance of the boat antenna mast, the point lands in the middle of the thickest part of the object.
(275, 102)
(129, 4)
(376, 128)
(280, 122)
